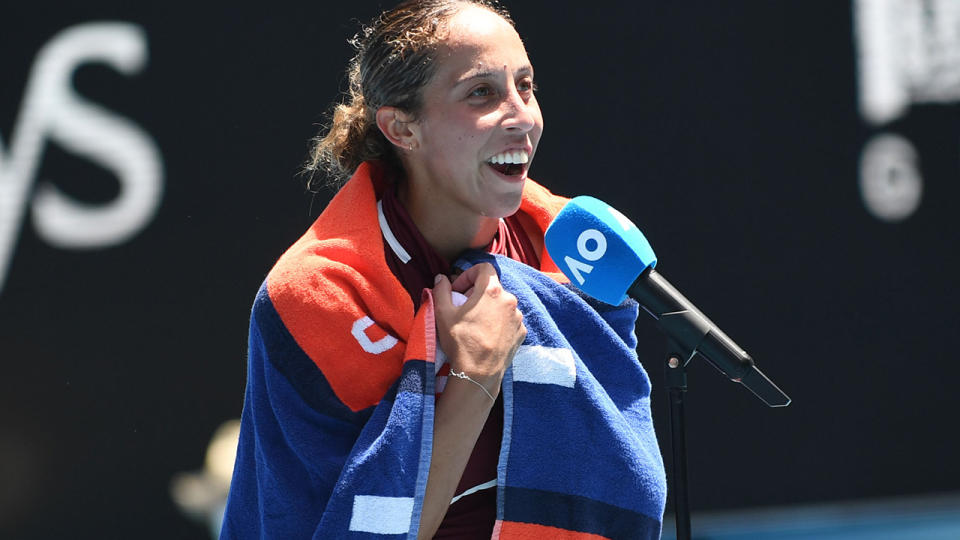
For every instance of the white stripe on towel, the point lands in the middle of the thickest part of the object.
(544, 365)
(381, 515)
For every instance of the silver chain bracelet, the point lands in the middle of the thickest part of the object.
(464, 376)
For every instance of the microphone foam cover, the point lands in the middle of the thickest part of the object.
(598, 248)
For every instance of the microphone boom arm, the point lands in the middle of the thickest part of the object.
(690, 330)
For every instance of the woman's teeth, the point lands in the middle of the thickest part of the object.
(518, 157)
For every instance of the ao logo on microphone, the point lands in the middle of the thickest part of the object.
(591, 245)
(52, 112)
(599, 249)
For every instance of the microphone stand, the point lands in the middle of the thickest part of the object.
(690, 333)
(676, 379)
(678, 356)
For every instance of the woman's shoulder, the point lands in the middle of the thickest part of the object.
(339, 262)
(334, 296)
(331, 300)
(336, 270)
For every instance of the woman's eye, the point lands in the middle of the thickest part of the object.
(481, 91)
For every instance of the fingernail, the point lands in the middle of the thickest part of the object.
(437, 278)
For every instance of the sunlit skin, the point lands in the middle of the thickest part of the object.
(479, 103)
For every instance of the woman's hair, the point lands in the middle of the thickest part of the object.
(394, 61)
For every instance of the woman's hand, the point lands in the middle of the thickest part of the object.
(481, 336)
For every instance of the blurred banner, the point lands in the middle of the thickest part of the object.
(792, 164)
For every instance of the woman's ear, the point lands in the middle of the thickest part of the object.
(398, 127)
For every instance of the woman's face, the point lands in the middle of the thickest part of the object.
(480, 122)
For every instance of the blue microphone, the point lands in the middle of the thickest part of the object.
(607, 257)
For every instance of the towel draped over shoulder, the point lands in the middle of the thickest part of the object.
(337, 424)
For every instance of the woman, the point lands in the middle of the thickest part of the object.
(345, 427)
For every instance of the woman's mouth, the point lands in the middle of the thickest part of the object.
(512, 163)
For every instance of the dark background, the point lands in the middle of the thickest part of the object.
(728, 131)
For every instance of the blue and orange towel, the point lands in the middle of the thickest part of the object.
(338, 414)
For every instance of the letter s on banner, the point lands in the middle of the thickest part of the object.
(51, 109)
(87, 129)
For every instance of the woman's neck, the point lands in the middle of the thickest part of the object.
(450, 230)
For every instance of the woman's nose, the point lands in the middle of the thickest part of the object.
(520, 114)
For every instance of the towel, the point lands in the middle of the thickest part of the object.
(337, 424)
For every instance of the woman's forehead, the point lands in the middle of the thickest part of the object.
(479, 40)
(477, 22)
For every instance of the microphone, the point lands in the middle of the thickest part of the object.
(607, 257)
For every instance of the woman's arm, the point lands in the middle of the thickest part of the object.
(480, 338)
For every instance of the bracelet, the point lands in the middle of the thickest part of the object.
(466, 377)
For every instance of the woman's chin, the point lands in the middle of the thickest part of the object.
(507, 204)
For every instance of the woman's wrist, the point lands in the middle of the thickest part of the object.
(472, 386)
(463, 376)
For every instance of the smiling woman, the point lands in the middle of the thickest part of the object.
(479, 107)
(379, 396)
(451, 109)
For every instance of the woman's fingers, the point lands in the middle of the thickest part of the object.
(441, 293)
(477, 273)
(481, 335)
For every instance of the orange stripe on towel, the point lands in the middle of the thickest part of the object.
(510, 530)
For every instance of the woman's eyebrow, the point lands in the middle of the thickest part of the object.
(484, 73)
(476, 74)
